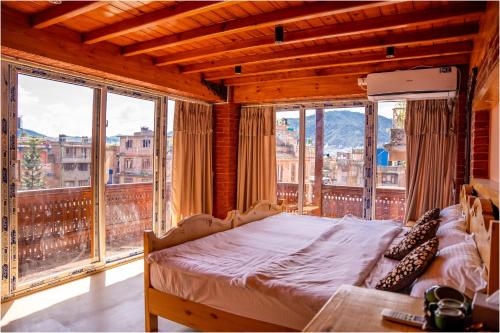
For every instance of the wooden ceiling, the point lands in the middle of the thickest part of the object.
(322, 38)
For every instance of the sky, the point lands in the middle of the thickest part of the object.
(52, 108)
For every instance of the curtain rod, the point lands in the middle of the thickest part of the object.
(98, 79)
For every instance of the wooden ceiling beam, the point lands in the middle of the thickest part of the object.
(175, 12)
(342, 60)
(459, 59)
(62, 48)
(466, 10)
(63, 12)
(281, 16)
(444, 34)
(324, 88)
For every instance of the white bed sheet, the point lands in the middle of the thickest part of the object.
(221, 270)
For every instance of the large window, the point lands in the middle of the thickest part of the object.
(87, 169)
(391, 161)
(54, 173)
(331, 156)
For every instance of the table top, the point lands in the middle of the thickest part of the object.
(355, 309)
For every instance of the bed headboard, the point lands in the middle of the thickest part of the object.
(191, 228)
(481, 221)
(257, 212)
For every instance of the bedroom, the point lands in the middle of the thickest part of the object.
(120, 117)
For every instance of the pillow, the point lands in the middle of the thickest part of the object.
(448, 237)
(431, 214)
(458, 266)
(417, 235)
(411, 267)
(451, 213)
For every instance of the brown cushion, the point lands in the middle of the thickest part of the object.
(411, 267)
(416, 236)
(431, 214)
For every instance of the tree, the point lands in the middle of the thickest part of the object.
(32, 177)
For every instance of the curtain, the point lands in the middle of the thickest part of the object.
(431, 156)
(256, 156)
(192, 160)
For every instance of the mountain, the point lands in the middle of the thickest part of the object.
(343, 129)
(28, 132)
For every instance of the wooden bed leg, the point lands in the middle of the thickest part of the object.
(151, 322)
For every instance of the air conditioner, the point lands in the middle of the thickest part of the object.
(425, 83)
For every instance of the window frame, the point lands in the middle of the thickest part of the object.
(10, 70)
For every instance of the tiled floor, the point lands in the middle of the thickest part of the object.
(112, 300)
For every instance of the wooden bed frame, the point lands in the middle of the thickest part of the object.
(479, 216)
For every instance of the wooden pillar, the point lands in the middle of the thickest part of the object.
(318, 162)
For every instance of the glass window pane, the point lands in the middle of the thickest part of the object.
(287, 158)
(55, 201)
(391, 161)
(313, 159)
(129, 168)
(343, 161)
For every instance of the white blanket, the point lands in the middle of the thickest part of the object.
(345, 253)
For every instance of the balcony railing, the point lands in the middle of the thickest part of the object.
(55, 226)
(337, 201)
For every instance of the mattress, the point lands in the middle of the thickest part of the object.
(280, 270)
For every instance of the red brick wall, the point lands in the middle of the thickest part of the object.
(480, 144)
(225, 157)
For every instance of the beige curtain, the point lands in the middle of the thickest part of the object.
(256, 156)
(431, 156)
(192, 160)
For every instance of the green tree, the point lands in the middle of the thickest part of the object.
(32, 177)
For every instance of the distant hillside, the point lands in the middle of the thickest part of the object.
(28, 132)
(344, 129)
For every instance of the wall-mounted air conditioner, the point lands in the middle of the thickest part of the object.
(425, 83)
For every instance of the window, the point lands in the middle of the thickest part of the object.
(129, 197)
(326, 163)
(52, 125)
(83, 183)
(287, 157)
(128, 163)
(83, 167)
(391, 161)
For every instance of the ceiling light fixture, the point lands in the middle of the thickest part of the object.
(237, 69)
(279, 34)
(389, 52)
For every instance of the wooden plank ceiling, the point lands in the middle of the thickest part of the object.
(322, 38)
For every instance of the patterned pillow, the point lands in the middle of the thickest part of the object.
(416, 236)
(432, 214)
(411, 267)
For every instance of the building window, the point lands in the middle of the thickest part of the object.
(83, 183)
(69, 166)
(128, 144)
(128, 163)
(83, 167)
(146, 143)
(146, 164)
(292, 173)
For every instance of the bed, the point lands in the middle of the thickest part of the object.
(246, 272)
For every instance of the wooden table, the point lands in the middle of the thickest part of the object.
(355, 309)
